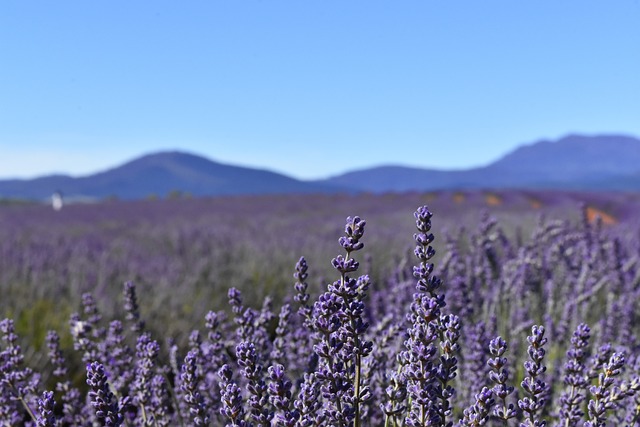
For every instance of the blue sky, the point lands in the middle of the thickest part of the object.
(309, 88)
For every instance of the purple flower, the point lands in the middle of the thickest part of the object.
(160, 401)
(395, 398)
(427, 374)
(354, 230)
(147, 354)
(18, 383)
(55, 355)
(424, 252)
(478, 414)
(93, 315)
(575, 378)
(533, 385)
(308, 404)
(604, 391)
(280, 342)
(301, 287)
(245, 318)
(499, 376)
(231, 397)
(102, 399)
(344, 265)
(419, 360)
(82, 338)
(216, 355)
(248, 360)
(46, 404)
(446, 370)
(192, 396)
(338, 319)
(118, 358)
(132, 308)
(475, 369)
(280, 396)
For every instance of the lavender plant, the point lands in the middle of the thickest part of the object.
(18, 384)
(499, 375)
(107, 410)
(575, 378)
(412, 348)
(338, 321)
(533, 384)
(46, 405)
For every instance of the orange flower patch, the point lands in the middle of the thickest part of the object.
(535, 203)
(593, 214)
(493, 200)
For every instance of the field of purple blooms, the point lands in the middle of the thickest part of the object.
(185, 312)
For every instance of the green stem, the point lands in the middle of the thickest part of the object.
(636, 416)
(356, 422)
(144, 415)
(29, 411)
(571, 405)
(174, 398)
(356, 381)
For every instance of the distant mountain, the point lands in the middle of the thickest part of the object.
(401, 178)
(573, 162)
(574, 157)
(159, 174)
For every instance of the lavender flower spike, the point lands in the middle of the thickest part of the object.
(308, 404)
(147, 353)
(354, 230)
(17, 382)
(478, 414)
(248, 360)
(102, 399)
(532, 384)
(424, 252)
(189, 386)
(499, 375)
(45, 407)
(132, 308)
(575, 378)
(231, 397)
(280, 396)
(602, 393)
(55, 354)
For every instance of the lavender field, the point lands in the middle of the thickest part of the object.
(486, 308)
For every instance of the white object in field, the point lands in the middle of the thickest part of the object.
(56, 201)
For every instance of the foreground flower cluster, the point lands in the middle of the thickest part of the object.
(488, 338)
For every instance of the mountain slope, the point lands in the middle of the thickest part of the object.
(160, 174)
(574, 157)
(573, 162)
(604, 162)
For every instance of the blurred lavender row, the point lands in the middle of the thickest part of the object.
(181, 313)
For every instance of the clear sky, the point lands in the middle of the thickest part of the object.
(310, 88)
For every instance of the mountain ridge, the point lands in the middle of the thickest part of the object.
(158, 174)
(571, 162)
(576, 162)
